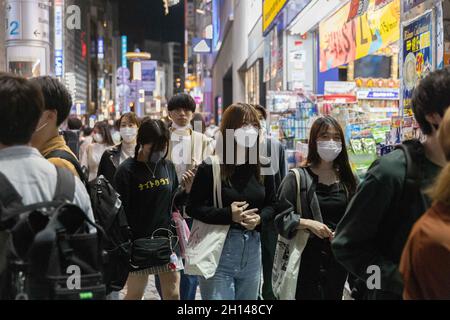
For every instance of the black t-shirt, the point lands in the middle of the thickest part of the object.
(243, 186)
(332, 200)
(333, 203)
(147, 200)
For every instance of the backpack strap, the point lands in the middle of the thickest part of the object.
(9, 197)
(65, 185)
(63, 154)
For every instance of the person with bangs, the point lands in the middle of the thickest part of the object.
(113, 157)
(247, 196)
(330, 184)
(148, 186)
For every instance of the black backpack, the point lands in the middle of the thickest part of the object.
(49, 253)
(110, 215)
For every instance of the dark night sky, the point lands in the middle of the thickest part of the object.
(145, 19)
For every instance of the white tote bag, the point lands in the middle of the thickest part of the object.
(287, 258)
(206, 241)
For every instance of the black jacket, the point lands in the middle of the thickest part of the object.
(109, 163)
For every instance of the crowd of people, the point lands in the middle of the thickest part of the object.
(257, 230)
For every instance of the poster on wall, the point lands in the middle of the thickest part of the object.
(343, 40)
(409, 4)
(417, 57)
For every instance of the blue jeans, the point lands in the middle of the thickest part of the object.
(238, 275)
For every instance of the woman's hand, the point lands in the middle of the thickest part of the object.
(237, 209)
(251, 219)
(316, 227)
(187, 180)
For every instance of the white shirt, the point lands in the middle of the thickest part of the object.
(34, 178)
(94, 155)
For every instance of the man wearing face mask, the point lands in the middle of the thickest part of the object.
(188, 147)
(113, 157)
(46, 138)
(377, 223)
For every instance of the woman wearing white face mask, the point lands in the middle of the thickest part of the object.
(329, 186)
(148, 184)
(102, 140)
(247, 198)
(114, 156)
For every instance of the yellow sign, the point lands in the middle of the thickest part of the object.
(271, 8)
(343, 40)
(377, 29)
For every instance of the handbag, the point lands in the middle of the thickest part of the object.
(206, 242)
(287, 257)
(151, 252)
(183, 231)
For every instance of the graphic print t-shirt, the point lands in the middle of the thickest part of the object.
(147, 200)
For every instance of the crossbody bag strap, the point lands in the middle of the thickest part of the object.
(217, 181)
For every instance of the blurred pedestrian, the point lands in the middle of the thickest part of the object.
(102, 140)
(392, 196)
(425, 262)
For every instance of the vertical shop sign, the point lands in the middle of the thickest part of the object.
(59, 31)
(417, 56)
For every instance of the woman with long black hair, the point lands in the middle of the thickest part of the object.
(323, 205)
(148, 184)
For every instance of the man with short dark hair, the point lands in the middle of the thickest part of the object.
(33, 177)
(371, 236)
(47, 139)
(188, 148)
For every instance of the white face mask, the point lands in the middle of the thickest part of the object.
(329, 150)
(98, 138)
(246, 136)
(128, 134)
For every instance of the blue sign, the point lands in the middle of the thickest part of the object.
(149, 75)
(378, 94)
(216, 5)
(101, 48)
(200, 45)
(59, 63)
(124, 51)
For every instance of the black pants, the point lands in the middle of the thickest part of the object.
(321, 277)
